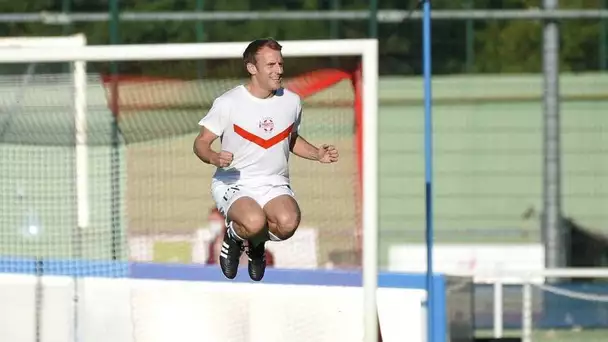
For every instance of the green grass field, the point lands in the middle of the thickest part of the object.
(488, 174)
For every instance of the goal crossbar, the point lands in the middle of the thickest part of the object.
(184, 51)
(367, 49)
(43, 41)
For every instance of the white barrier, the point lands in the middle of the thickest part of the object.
(136, 310)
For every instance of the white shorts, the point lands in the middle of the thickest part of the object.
(225, 195)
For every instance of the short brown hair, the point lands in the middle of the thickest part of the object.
(255, 46)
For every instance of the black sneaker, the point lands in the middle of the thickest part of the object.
(257, 261)
(229, 256)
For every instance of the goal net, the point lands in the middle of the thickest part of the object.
(167, 222)
(54, 147)
(98, 173)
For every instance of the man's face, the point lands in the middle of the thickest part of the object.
(268, 69)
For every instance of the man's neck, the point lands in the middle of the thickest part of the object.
(259, 92)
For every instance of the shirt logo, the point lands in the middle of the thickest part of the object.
(267, 125)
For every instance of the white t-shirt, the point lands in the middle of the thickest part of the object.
(257, 132)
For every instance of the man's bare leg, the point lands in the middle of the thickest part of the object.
(246, 219)
(283, 215)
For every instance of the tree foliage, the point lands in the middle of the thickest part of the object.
(499, 46)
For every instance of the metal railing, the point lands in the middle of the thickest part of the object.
(533, 281)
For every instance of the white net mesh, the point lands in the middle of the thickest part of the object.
(39, 170)
(168, 201)
(165, 187)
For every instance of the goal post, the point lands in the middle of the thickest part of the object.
(76, 71)
(79, 79)
(367, 49)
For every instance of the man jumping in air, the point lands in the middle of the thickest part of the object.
(258, 123)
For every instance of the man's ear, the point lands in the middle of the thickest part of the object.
(252, 69)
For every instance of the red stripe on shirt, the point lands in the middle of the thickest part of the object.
(264, 143)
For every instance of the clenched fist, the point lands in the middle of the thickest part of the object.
(223, 159)
(328, 154)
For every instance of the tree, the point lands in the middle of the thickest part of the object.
(500, 46)
(516, 45)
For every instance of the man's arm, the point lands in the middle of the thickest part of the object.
(204, 152)
(302, 148)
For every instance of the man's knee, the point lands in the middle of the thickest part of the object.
(253, 223)
(248, 217)
(286, 224)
